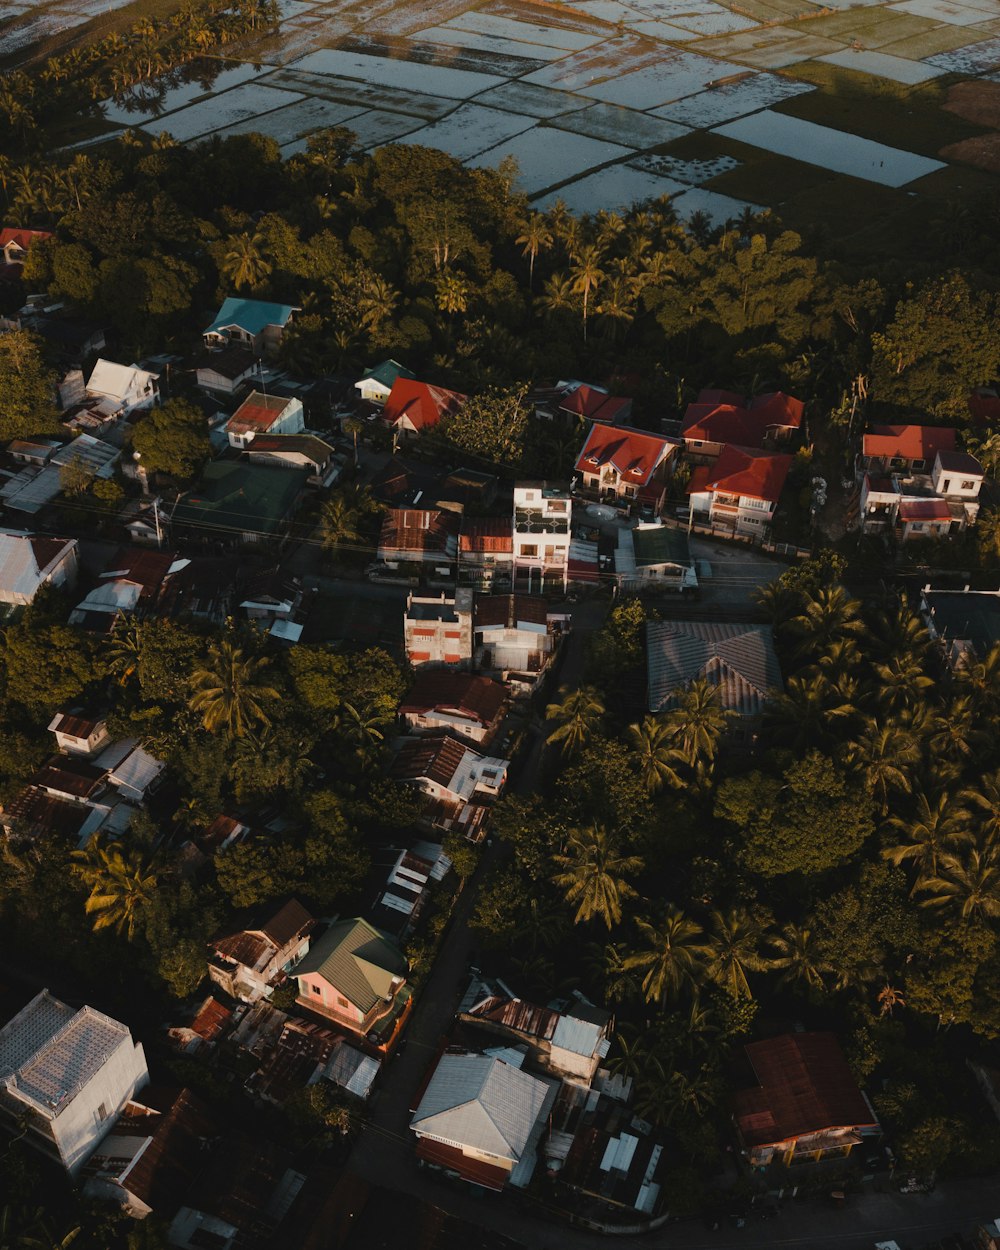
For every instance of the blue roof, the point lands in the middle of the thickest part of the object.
(251, 315)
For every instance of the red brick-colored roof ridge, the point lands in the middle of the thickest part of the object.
(908, 442)
(749, 471)
(587, 402)
(634, 453)
(424, 403)
(924, 510)
(23, 238)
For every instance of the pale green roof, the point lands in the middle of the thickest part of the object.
(358, 960)
(660, 545)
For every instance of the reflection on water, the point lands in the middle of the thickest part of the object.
(149, 100)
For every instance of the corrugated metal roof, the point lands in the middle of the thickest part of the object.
(739, 659)
(481, 1103)
(251, 315)
(908, 442)
(352, 1070)
(511, 611)
(472, 696)
(25, 559)
(119, 381)
(358, 960)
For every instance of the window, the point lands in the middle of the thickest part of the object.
(696, 442)
(529, 549)
(316, 989)
(759, 505)
(102, 1113)
(970, 485)
(557, 505)
(946, 485)
(342, 1001)
(919, 466)
(916, 525)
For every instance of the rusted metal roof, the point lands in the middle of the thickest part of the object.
(419, 530)
(452, 1159)
(69, 776)
(73, 725)
(491, 535)
(509, 610)
(514, 1013)
(469, 695)
(212, 1020)
(435, 756)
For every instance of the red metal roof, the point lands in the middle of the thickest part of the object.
(582, 571)
(924, 510)
(435, 756)
(212, 1020)
(805, 1087)
(633, 453)
(257, 412)
(747, 471)
(908, 442)
(698, 481)
(744, 425)
(595, 405)
(419, 529)
(508, 610)
(777, 408)
(487, 534)
(478, 698)
(474, 1170)
(421, 403)
(23, 238)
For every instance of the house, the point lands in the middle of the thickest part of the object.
(655, 557)
(14, 243)
(412, 407)
(623, 466)
(77, 734)
(903, 448)
(271, 598)
(806, 1105)
(33, 451)
(909, 504)
(248, 962)
(356, 977)
(126, 388)
(741, 490)
(30, 561)
(297, 451)
(225, 371)
(238, 503)
(470, 706)
(252, 323)
(130, 587)
(516, 636)
(65, 1075)
(485, 552)
(375, 384)
(74, 341)
(482, 1118)
(964, 623)
(719, 418)
(739, 660)
(264, 414)
(464, 488)
(593, 403)
(426, 536)
(542, 522)
(437, 629)
(569, 1044)
(406, 888)
(33, 489)
(459, 784)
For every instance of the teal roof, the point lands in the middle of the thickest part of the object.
(387, 373)
(251, 315)
(358, 960)
(664, 545)
(240, 497)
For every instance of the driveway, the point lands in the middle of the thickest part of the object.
(736, 572)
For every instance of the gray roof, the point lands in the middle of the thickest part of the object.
(358, 960)
(49, 1052)
(480, 1102)
(738, 659)
(660, 544)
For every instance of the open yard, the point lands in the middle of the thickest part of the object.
(600, 101)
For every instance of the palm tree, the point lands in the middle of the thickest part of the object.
(887, 756)
(966, 885)
(697, 721)
(987, 452)
(586, 275)
(123, 650)
(829, 615)
(121, 883)
(593, 876)
(577, 717)
(938, 826)
(557, 294)
(778, 601)
(361, 728)
(734, 941)
(981, 679)
(795, 952)
(984, 800)
(653, 754)
(245, 263)
(807, 710)
(902, 681)
(988, 532)
(959, 734)
(675, 955)
(896, 630)
(537, 237)
(338, 523)
(229, 695)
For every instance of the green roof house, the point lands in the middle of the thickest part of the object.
(236, 502)
(376, 383)
(356, 977)
(252, 323)
(655, 556)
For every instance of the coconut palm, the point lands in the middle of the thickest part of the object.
(229, 694)
(901, 681)
(842, 659)
(938, 827)
(988, 533)
(735, 939)
(983, 802)
(967, 885)
(123, 650)
(809, 710)
(537, 237)
(778, 601)
(586, 275)
(557, 294)
(245, 263)
(121, 883)
(606, 963)
(829, 615)
(960, 734)
(980, 679)
(897, 630)
(593, 875)
(675, 955)
(654, 755)
(577, 717)
(338, 525)
(796, 954)
(361, 728)
(698, 721)
(886, 755)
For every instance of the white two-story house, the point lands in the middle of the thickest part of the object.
(911, 505)
(741, 490)
(542, 522)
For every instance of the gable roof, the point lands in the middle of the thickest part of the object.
(311, 446)
(908, 442)
(487, 534)
(251, 315)
(26, 560)
(470, 695)
(924, 510)
(481, 1103)
(254, 946)
(116, 381)
(739, 659)
(748, 471)
(594, 404)
(421, 403)
(635, 454)
(23, 238)
(510, 611)
(358, 960)
(257, 412)
(959, 462)
(237, 497)
(436, 757)
(420, 530)
(660, 544)
(386, 372)
(805, 1087)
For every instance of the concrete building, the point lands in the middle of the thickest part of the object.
(437, 629)
(542, 522)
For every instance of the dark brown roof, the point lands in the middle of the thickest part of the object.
(436, 757)
(212, 1020)
(253, 947)
(508, 610)
(419, 529)
(960, 462)
(232, 362)
(74, 725)
(33, 812)
(70, 776)
(449, 1157)
(493, 534)
(805, 1087)
(46, 550)
(170, 1165)
(514, 1013)
(478, 698)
